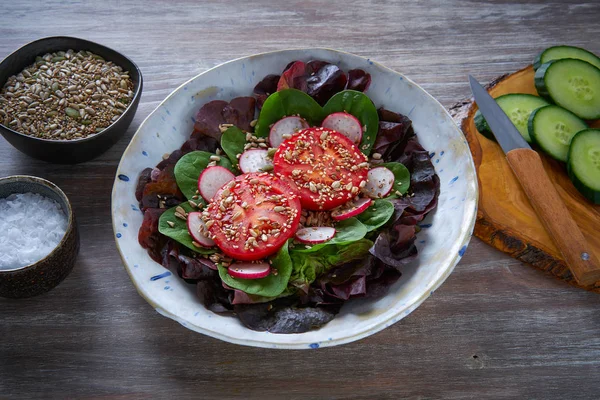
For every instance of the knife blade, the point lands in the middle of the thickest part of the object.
(545, 200)
(497, 120)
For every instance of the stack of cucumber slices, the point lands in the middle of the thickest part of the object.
(568, 80)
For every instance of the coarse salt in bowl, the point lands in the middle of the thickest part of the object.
(441, 242)
(39, 240)
(31, 226)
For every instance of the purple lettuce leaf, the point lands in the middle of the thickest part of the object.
(394, 132)
(368, 277)
(284, 315)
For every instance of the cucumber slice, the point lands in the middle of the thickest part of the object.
(518, 107)
(552, 128)
(572, 84)
(560, 52)
(583, 165)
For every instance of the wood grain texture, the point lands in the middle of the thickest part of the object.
(577, 253)
(495, 329)
(505, 217)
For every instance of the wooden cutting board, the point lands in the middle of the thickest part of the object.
(505, 218)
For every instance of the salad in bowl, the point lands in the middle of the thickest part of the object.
(283, 205)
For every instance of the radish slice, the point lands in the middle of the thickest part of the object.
(198, 230)
(380, 182)
(254, 160)
(351, 209)
(314, 235)
(212, 179)
(346, 124)
(287, 125)
(248, 270)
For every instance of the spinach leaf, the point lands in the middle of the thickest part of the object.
(179, 231)
(401, 178)
(308, 266)
(269, 286)
(232, 142)
(377, 214)
(347, 231)
(189, 167)
(361, 106)
(284, 103)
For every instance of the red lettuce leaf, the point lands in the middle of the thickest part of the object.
(209, 117)
(358, 80)
(394, 245)
(213, 295)
(239, 112)
(319, 79)
(166, 187)
(148, 235)
(265, 88)
(200, 142)
(325, 82)
(144, 178)
(293, 77)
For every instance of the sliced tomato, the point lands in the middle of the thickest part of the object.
(325, 165)
(253, 215)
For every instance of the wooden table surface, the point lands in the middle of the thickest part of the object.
(495, 329)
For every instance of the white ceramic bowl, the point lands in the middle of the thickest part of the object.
(441, 242)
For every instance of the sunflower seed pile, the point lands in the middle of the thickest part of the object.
(65, 95)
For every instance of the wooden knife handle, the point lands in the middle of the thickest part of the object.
(577, 253)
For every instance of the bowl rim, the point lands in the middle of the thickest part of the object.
(469, 220)
(136, 93)
(44, 182)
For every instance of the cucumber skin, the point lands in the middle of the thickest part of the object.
(537, 63)
(534, 138)
(482, 126)
(587, 192)
(540, 84)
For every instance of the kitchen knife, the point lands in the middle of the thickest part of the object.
(529, 170)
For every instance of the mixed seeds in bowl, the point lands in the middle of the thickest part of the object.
(65, 95)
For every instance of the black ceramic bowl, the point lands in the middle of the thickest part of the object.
(77, 150)
(43, 275)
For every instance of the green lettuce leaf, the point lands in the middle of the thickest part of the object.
(401, 178)
(179, 231)
(284, 103)
(269, 286)
(361, 106)
(377, 214)
(190, 166)
(308, 266)
(346, 231)
(232, 142)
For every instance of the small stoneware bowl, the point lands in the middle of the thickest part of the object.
(442, 240)
(76, 150)
(45, 274)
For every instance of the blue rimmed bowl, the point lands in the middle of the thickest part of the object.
(442, 240)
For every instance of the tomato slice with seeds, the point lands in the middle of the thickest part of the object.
(325, 165)
(253, 215)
